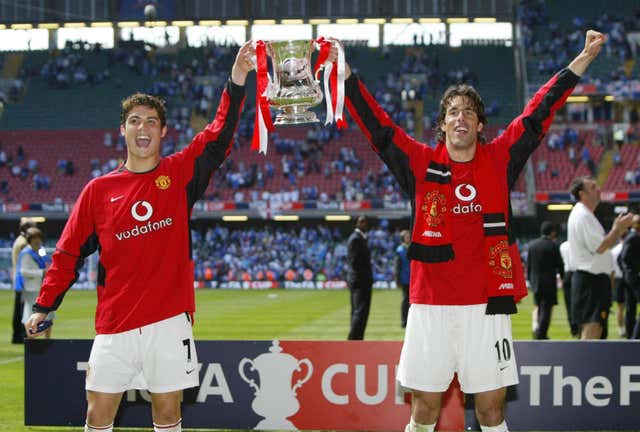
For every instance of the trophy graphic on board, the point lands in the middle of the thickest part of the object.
(275, 397)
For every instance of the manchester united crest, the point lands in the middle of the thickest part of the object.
(434, 208)
(163, 182)
(500, 260)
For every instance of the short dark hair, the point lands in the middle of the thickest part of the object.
(142, 99)
(467, 91)
(33, 233)
(547, 228)
(577, 185)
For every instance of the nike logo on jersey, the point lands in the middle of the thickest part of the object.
(189, 371)
(114, 199)
(503, 367)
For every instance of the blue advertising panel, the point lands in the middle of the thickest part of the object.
(573, 386)
(54, 386)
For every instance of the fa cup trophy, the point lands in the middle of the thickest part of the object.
(293, 88)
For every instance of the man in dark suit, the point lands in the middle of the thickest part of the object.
(629, 261)
(543, 263)
(360, 278)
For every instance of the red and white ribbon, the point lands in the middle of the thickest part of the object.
(263, 123)
(334, 77)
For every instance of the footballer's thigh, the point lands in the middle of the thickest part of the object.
(486, 358)
(427, 360)
(170, 361)
(113, 362)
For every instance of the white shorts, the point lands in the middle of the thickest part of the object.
(443, 340)
(159, 357)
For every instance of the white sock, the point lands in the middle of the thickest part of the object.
(89, 428)
(502, 427)
(417, 427)
(174, 427)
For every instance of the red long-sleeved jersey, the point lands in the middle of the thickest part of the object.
(139, 222)
(462, 280)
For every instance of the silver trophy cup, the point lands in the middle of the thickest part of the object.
(293, 89)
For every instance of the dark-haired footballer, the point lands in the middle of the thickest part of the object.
(137, 217)
(466, 274)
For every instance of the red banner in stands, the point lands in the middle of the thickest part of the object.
(584, 89)
(291, 205)
(220, 205)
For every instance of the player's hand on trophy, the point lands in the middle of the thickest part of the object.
(245, 63)
(333, 56)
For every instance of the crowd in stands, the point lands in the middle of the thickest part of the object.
(555, 51)
(66, 68)
(269, 253)
(192, 85)
(22, 168)
(286, 253)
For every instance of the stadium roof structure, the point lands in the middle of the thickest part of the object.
(34, 12)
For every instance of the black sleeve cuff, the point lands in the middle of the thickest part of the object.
(501, 305)
(42, 309)
(568, 78)
(236, 92)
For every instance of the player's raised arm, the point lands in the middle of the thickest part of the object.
(525, 133)
(212, 146)
(397, 149)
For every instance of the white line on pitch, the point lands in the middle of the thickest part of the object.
(11, 360)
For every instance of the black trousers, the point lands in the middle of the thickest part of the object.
(360, 305)
(631, 323)
(18, 329)
(544, 319)
(404, 306)
(566, 290)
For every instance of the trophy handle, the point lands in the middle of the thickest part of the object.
(299, 383)
(249, 381)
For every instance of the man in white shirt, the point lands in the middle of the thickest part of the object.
(590, 255)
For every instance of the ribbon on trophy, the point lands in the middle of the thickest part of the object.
(334, 77)
(263, 123)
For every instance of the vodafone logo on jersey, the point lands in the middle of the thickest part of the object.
(143, 214)
(466, 193)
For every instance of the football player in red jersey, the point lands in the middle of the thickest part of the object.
(466, 274)
(138, 218)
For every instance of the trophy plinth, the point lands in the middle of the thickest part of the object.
(293, 115)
